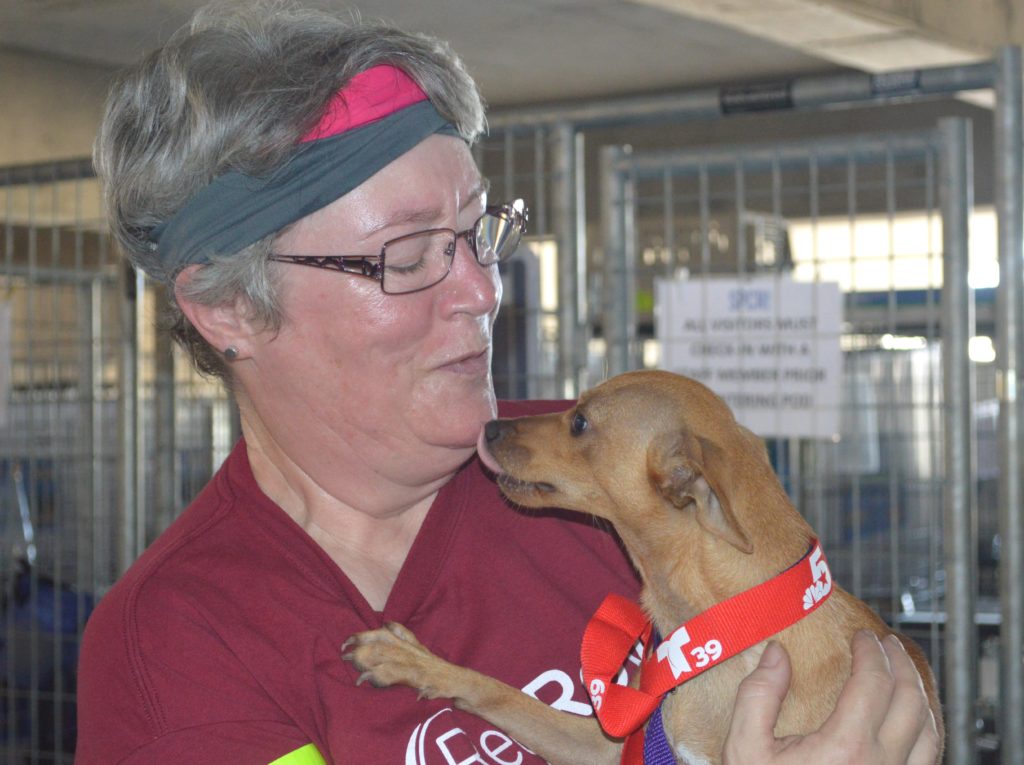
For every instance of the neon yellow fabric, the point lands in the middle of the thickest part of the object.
(306, 755)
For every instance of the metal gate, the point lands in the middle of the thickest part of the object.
(554, 149)
(103, 431)
(109, 432)
(543, 164)
(893, 496)
(59, 455)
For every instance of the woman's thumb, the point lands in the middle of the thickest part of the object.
(756, 711)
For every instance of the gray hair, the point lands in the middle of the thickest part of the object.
(235, 90)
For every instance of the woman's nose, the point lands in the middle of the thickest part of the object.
(474, 288)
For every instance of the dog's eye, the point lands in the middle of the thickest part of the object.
(579, 424)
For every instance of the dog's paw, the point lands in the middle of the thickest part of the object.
(393, 656)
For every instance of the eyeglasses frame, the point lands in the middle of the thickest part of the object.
(372, 266)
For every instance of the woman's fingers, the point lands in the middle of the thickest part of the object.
(758, 701)
(865, 699)
(910, 728)
(882, 716)
(929, 744)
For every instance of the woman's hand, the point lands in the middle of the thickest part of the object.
(882, 716)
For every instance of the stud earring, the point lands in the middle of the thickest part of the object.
(231, 353)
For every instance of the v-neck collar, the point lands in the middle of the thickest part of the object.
(429, 551)
(418, 574)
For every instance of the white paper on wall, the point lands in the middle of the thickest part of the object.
(768, 345)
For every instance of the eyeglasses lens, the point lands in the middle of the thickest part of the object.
(417, 261)
(497, 237)
(421, 260)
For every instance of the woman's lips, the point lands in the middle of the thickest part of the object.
(470, 364)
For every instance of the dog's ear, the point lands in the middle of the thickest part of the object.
(756, 442)
(689, 470)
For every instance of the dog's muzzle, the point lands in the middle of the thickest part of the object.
(495, 430)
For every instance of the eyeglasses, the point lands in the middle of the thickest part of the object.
(420, 260)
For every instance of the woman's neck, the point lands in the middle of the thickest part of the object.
(364, 522)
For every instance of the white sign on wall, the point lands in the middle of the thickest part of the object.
(768, 345)
(5, 360)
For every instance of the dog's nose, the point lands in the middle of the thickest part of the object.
(492, 431)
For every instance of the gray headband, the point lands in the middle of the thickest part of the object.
(236, 210)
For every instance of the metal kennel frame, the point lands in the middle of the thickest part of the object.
(108, 432)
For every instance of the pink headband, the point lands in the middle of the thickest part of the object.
(369, 96)
(381, 114)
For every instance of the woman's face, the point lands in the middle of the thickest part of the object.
(388, 374)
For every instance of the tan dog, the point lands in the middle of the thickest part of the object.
(703, 517)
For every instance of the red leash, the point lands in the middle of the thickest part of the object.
(721, 632)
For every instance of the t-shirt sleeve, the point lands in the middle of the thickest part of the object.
(157, 685)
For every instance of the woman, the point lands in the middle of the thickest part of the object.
(306, 186)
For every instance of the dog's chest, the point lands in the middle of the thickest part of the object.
(704, 717)
(697, 714)
(686, 757)
(682, 749)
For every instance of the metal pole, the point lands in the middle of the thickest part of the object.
(85, 484)
(563, 220)
(955, 183)
(140, 462)
(1009, 197)
(131, 522)
(126, 423)
(617, 315)
(798, 93)
(102, 554)
(582, 275)
(165, 501)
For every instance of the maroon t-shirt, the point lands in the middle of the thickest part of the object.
(222, 643)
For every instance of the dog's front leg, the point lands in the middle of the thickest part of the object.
(393, 656)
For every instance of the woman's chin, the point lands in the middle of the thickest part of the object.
(452, 415)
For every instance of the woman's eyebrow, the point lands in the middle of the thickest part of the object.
(424, 215)
(412, 215)
(479, 190)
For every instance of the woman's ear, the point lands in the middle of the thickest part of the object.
(222, 326)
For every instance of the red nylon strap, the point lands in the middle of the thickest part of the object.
(611, 634)
(705, 641)
(633, 749)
